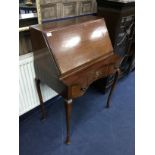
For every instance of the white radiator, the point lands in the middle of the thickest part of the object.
(28, 97)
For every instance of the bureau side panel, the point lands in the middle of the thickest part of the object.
(44, 64)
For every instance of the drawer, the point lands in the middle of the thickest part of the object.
(97, 74)
(82, 82)
(77, 90)
(100, 72)
(78, 82)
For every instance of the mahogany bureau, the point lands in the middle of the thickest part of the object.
(71, 54)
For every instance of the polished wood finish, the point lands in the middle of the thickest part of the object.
(68, 107)
(71, 54)
(64, 23)
(37, 81)
(75, 46)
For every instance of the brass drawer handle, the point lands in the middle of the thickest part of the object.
(98, 73)
(83, 89)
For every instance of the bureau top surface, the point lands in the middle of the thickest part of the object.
(78, 44)
(54, 25)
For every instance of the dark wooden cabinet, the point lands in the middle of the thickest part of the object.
(120, 20)
(71, 54)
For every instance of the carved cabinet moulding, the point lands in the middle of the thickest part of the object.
(54, 9)
(49, 12)
(85, 7)
(48, 5)
(69, 9)
(42, 2)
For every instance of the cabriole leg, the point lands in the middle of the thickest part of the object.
(112, 87)
(43, 113)
(68, 108)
